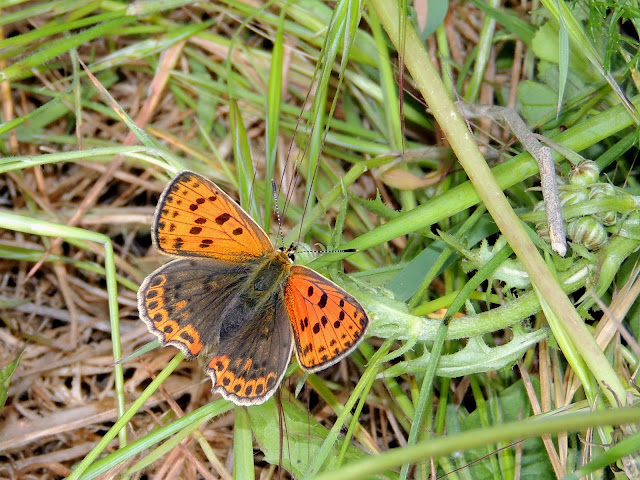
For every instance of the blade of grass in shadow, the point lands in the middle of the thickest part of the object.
(6, 373)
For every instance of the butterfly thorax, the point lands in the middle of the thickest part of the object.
(268, 277)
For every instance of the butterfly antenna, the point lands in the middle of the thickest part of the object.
(252, 191)
(300, 156)
(308, 199)
(274, 190)
(344, 250)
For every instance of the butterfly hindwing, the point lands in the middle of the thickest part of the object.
(327, 322)
(196, 218)
(249, 365)
(182, 301)
(204, 307)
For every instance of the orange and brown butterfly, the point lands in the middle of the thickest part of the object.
(235, 299)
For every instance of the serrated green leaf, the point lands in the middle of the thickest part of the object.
(377, 207)
(475, 357)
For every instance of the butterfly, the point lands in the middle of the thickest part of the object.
(233, 298)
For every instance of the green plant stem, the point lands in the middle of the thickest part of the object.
(463, 144)
(242, 446)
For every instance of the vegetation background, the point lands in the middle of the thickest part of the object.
(350, 104)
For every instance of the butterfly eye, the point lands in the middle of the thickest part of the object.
(291, 252)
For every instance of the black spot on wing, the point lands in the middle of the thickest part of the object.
(222, 218)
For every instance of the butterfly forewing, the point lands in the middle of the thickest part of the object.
(196, 218)
(327, 322)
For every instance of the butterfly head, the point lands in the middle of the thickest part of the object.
(289, 251)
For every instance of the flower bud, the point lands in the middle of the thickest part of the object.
(572, 197)
(587, 231)
(602, 190)
(585, 173)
